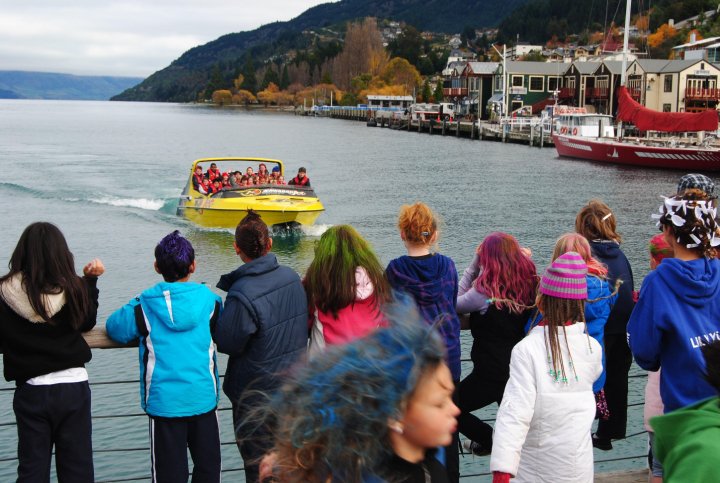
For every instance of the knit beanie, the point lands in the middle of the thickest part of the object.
(565, 277)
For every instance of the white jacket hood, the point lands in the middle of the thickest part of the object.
(13, 293)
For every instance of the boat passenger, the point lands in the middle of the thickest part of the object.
(216, 186)
(371, 410)
(301, 179)
(275, 171)
(236, 179)
(206, 187)
(597, 223)
(263, 329)
(214, 172)
(281, 180)
(249, 171)
(197, 177)
(431, 279)
(262, 170)
(44, 308)
(273, 181)
(226, 181)
(498, 291)
(346, 288)
(262, 180)
(178, 368)
(542, 429)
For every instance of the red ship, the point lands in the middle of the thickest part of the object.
(590, 137)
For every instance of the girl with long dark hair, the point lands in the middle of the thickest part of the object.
(44, 308)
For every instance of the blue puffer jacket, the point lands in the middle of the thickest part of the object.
(264, 326)
(596, 316)
(178, 364)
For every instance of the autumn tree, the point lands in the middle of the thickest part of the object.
(661, 41)
(244, 97)
(222, 97)
(363, 52)
(268, 95)
(400, 72)
(238, 82)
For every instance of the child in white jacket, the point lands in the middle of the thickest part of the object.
(542, 432)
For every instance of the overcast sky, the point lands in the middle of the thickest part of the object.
(123, 37)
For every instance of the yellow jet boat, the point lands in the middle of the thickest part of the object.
(277, 204)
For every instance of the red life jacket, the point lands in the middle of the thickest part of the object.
(297, 181)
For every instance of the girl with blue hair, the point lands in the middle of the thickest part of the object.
(367, 411)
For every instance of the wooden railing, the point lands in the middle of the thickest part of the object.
(699, 93)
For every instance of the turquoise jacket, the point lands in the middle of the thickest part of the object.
(178, 361)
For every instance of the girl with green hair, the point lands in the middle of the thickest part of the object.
(346, 288)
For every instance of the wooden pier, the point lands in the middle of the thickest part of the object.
(529, 131)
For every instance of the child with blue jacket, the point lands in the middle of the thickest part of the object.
(178, 364)
(678, 311)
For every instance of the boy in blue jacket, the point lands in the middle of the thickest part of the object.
(178, 364)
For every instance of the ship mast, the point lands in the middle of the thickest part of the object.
(625, 43)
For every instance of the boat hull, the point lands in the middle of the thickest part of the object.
(637, 154)
(290, 207)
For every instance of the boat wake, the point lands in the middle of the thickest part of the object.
(140, 203)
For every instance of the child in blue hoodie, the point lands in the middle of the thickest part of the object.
(432, 281)
(178, 364)
(678, 311)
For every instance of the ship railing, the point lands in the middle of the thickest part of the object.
(97, 339)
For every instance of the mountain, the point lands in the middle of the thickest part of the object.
(538, 20)
(190, 74)
(46, 85)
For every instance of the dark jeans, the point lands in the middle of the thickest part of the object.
(59, 415)
(252, 446)
(452, 451)
(170, 439)
(617, 365)
(476, 392)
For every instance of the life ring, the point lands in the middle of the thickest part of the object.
(574, 131)
(563, 130)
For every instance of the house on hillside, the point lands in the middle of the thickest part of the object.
(674, 85)
(522, 49)
(705, 49)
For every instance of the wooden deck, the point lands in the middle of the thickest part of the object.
(637, 476)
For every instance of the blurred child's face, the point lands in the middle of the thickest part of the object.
(430, 418)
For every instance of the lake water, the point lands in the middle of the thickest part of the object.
(109, 174)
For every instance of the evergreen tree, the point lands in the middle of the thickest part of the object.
(426, 92)
(285, 78)
(438, 95)
(215, 83)
(270, 76)
(250, 82)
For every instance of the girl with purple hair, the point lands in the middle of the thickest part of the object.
(497, 290)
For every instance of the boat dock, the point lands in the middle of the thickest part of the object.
(531, 131)
(110, 421)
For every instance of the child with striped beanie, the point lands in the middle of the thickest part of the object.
(543, 426)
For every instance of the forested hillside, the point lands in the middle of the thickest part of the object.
(539, 20)
(311, 34)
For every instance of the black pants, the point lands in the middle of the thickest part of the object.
(170, 439)
(617, 365)
(476, 392)
(452, 451)
(59, 415)
(253, 441)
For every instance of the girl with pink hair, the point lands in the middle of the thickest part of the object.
(497, 290)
